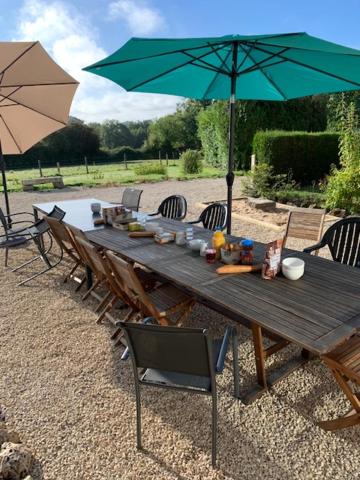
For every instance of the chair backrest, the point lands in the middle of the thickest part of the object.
(76, 233)
(214, 216)
(131, 198)
(174, 349)
(305, 223)
(60, 232)
(343, 240)
(42, 225)
(97, 263)
(173, 207)
(128, 280)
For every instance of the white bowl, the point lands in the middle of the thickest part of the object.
(293, 268)
(230, 257)
(195, 244)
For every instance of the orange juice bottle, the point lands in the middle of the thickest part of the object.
(218, 241)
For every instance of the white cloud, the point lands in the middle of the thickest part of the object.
(140, 17)
(73, 42)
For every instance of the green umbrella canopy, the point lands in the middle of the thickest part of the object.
(260, 67)
(267, 67)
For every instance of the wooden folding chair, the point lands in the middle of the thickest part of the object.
(166, 303)
(344, 362)
(63, 238)
(305, 223)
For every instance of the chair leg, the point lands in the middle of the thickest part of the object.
(72, 271)
(214, 430)
(104, 302)
(138, 415)
(88, 292)
(82, 281)
(6, 256)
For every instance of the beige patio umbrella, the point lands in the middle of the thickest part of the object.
(35, 99)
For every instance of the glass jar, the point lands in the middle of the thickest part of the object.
(247, 252)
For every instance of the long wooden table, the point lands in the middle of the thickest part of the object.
(317, 312)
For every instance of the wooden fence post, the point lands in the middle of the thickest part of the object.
(167, 159)
(126, 166)
(86, 164)
(58, 168)
(253, 162)
(160, 157)
(40, 169)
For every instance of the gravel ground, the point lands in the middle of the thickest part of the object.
(70, 397)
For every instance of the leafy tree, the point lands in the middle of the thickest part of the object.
(336, 104)
(115, 134)
(139, 132)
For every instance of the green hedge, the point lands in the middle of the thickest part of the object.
(308, 156)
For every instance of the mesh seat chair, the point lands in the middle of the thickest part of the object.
(173, 207)
(36, 233)
(63, 238)
(184, 359)
(167, 304)
(131, 198)
(343, 240)
(344, 362)
(305, 223)
(214, 216)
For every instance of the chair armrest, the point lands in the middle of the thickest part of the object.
(194, 221)
(220, 363)
(153, 214)
(19, 213)
(126, 352)
(317, 246)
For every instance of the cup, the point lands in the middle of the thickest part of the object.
(95, 207)
(203, 247)
(210, 255)
(180, 238)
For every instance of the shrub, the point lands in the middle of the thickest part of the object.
(150, 168)
(309, 156)
(191, 161)
(262, 182)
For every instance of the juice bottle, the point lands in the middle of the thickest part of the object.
(218, 241)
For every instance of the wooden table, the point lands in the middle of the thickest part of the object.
(317, 312)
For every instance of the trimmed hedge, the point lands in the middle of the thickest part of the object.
(308, 156)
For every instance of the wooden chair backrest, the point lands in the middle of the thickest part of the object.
(305, 223)
(129, 281)
(97, 263)
(76, 233)
(60, 232)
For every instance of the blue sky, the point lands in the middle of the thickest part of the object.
(79, 32)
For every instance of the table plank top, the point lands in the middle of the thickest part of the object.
(317, 312)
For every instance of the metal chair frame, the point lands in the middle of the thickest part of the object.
(207, 369)
(213, 216)
(173, 207)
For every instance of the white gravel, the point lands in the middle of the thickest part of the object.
(70, 397)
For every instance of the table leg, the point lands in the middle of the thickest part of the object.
(36, 214)
(259, 355)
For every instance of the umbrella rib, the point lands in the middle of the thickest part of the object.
(18, 57)
(41, 84)
(324, 72)
(207, 65)
(269, 79)
(255, 66)
(305, 49)
(165, 73)
(221, 60)
(11, 135)
(6, 97)
(216, 75)
(182, 50)
(34, 110)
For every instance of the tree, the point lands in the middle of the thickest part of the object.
(115, 134)
(336, 104)
(139, 132)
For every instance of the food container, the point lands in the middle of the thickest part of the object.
(180, 238)
(210, 255)
(247, 255)
(164, 237)
(293, 268)
(230, 257)
(153, 227)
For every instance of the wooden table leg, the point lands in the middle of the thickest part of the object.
(89, 277)
(259, 355)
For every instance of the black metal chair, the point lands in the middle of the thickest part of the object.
(12, 237)
(343, 240)
(184, 359)
(173, 207)
(131, 198)
(214, 216)
(36, 233)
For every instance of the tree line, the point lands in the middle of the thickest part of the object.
(195, 125)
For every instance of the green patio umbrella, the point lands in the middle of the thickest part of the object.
(260, 67)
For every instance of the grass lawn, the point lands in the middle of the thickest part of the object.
(108, 174)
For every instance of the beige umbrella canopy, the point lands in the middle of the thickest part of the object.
(35, 98)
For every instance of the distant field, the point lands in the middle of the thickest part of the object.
(107, 174)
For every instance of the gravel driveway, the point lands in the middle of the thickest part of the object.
(70, 397)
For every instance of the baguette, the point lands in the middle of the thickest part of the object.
(238, 269)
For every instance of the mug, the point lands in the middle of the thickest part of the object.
(95, 207)
(180, 238)
(203, 247)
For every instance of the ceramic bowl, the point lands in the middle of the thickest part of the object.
(230, 257)
(95, 207)
(293, 268)
(195, 244)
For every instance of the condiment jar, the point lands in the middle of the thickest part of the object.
(247, 254)
(218, 241)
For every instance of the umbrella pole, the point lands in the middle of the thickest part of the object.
(230, 172)
(3, 175)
